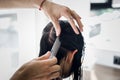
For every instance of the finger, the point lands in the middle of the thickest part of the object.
(54, 75)
(80, 24)
(42, 78)
(49, 70)
(54, 69)
(69, 17)
(49, 77)
(56, 26)
(72, 23)
(49, 62)
(77, 18)
(45, 56)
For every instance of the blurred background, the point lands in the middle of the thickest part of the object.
(21, 29)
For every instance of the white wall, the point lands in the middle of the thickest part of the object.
(82, 7)
(13, 57)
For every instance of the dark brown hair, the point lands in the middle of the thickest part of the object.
(69, 42)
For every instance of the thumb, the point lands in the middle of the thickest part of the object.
(57, 27)
(45, 56)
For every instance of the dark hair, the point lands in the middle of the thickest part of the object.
(69, 42)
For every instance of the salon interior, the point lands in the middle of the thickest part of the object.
(20, 33)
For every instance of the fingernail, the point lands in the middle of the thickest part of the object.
(57, 33)
(77, 32)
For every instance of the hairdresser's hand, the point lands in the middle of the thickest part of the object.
(55, 11)
(40, 68)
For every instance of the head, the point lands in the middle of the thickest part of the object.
(70, 52)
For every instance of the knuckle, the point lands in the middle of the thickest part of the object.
(54, 75)
(58, 67)
(45, 64)
(55, 60)
(53, 19)
(66, 9)
(49, 70)
(58, 74)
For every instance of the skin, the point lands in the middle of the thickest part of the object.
(40, 68)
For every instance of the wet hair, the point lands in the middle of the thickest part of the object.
(70, 41)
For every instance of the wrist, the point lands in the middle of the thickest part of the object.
(45, 5)
(42, 4)
(37, 3)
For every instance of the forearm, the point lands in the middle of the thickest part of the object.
(20, 3)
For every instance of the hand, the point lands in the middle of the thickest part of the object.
(40, 68)
(55, 11)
